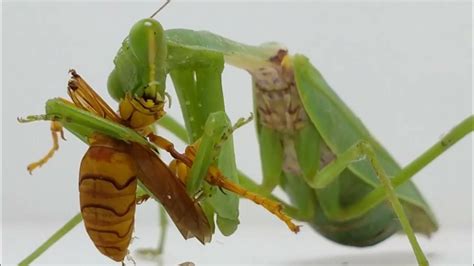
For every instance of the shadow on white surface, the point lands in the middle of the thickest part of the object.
(376, 258)
(251, 245)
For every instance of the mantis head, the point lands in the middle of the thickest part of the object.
(138, 80)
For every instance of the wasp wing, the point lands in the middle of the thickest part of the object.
(186, 213)
(84, 96)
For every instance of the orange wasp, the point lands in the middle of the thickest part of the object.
(111, 168)
(115, 162)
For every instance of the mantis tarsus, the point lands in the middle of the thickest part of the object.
(245, 90)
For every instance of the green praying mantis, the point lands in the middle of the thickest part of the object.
(229, 50)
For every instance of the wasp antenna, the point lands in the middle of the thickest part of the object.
(159, 9)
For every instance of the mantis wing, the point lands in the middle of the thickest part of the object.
(340, 128)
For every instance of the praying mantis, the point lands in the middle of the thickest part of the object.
(242, 89)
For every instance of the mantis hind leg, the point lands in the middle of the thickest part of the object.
(154, 252)
(376, 196)
(359, 151)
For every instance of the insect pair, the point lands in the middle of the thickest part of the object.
(123, 151)
(347, 205)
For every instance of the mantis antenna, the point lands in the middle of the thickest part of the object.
(159, 9)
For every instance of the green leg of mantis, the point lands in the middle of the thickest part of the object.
(241, 122)
(164, 227)
(363, 150)
(199, 89)
(68, 226)
(154, 252)
(176, 128)
(378, 195)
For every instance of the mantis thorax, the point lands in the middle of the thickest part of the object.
(279, 107)
(277, 101)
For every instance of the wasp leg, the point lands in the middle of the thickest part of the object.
(56, 129)
(169, 147)
(140, 199)
(180, 170)
(215, 178)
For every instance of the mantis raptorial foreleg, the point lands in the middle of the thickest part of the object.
(213, 175)
(227, 133)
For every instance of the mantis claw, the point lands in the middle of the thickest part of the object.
(199, 196)
(222, 191)
(33, 118)
(241, 122)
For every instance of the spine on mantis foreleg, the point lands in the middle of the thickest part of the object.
(199, 89)
(225, 205)
(83, 124)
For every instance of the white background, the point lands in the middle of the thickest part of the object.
(404, 68)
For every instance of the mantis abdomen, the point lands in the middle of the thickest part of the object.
(107, 186)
